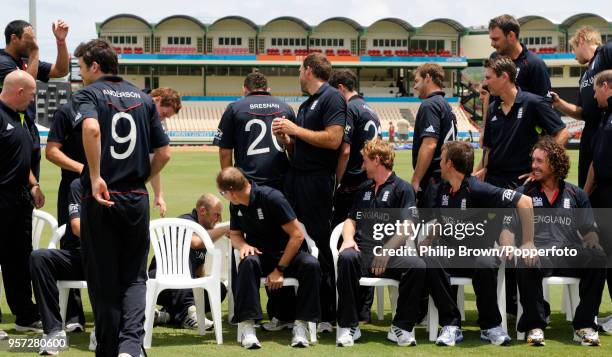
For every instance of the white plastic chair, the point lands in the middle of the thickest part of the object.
(224, 245)
(40, 219)
(314, 251)
(379, 283)
(171, 241)
(64, 286)
(569, 300)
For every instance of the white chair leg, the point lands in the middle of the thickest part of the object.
(380, 302)
(230, 303)
(574, 292)
(520, 336)
(63, 304)
(239, 333)
(312, 329)
(151, 299)
(214, 300)
(566, 302)
(198, 298)
(501, 299)
(393, 296)
(461, 300)
(432, 322)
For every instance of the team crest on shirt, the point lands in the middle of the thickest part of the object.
(537, 202)
(508, 195)
(463, 204)
(9, 127)
(219, 134)
(314, 104)
(494, 118)
(566, 203)
(444, 200)
(77, 117)
(347, 129)
(260, 214)
(385, 196)
(367, 196)
(73, 208)
(239, 213)
(520, 113)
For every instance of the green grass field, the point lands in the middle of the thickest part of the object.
(191, 173)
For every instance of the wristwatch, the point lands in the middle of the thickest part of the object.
(281, 268)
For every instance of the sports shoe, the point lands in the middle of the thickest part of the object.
(402, 337)
(74, 327)
(190, 321)
(324, 327)
(3, 335)
(161, 317)
(587, 337)
(300, 334)
(347, 336)
(248, 339)
(496, 336)
(276, 325)
(535, 337)
(35, 326)
(54, 343)
(93, 343)
(449, 336)
(606, 324)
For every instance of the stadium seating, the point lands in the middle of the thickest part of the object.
(171, 241)
(343, 52)
(178, 50)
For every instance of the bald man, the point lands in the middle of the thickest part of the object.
(19, 194)
(178, 306)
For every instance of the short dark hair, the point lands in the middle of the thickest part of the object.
(604, 77)
(99, 51)
(255, 80)
(502, 64)
(319, 64)
(15, 27)
(343, 76)
(506, 23)
(231, 179)
(557, 158)
(435, 71)
(461, 154)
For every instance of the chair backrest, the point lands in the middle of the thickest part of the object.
(171, 241)
(40, 219)
(57, 236)
(224, 245)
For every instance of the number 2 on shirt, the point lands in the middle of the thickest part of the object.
(252, 148)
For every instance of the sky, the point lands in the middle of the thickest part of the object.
(82, 15)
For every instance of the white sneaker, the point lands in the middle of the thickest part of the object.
(347, 336)
(300, 334)
(606, 324)
(535, 337)
(587, 337)
(3, 335)
(54, 343)
(248, 338)
(401, 337)
(93, 343)
(449, 336)
(35, 326)
(324, 327)
(190, 321)
(496, 336)
(603, 320)
(276, 325)
(74, 327)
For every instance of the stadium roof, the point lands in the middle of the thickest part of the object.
(405, 25)
(354, 24)
(239, 18)
(292, 19)
(450, 22)
(184, 17)
(525, 19)
(573, 19)
(137, 18)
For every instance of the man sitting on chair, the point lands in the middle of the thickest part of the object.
(384, 193)
(264, 228)
(563, 219)
(47, 266)
(178, 304)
